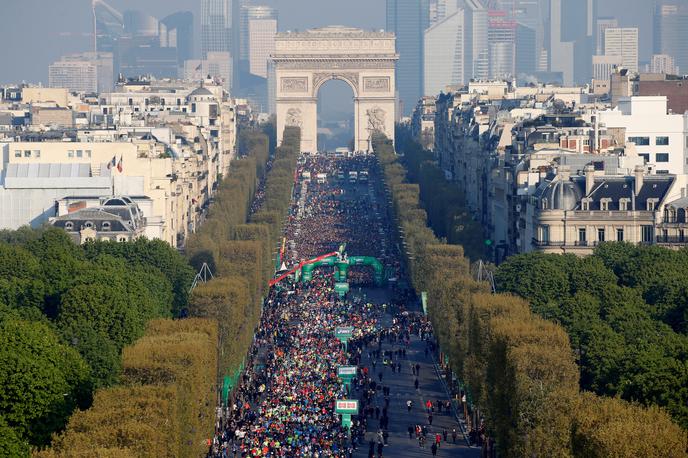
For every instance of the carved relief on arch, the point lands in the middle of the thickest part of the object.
(320, 78)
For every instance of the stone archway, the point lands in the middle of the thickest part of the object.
(304, 61)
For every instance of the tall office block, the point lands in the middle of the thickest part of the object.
(108, 25)
(408, 19)
(670, 28)
(604, 66)
(262, 27)
(216, 26)
(601, 25)
(662, 63)
(526, 58)
(83, 72)
(178, 33)
(571, 39)
(477, 51)
(501, 39)
(623, 42)
(444, 62)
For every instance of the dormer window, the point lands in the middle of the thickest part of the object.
(585, 205)
(623, 205)
(604, 205)
(543, 204)
(106, 226)
(69, 226)
(88, 225)
(651, 204)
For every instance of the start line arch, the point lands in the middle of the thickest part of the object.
(340, 262)
(304, 61)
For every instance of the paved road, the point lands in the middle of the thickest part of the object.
(402, 389)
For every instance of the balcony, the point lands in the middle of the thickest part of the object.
(671, 240)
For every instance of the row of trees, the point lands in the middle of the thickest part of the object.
(519, 369)
(164, 405)
(624, 309)
(66, 313)
(447, 216)
(237, 241)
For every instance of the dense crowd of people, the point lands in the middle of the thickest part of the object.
(284, 404)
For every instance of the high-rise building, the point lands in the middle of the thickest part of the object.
(477, 52)
(108, 24)
(408, 19)
(441, 9)
(662, 63)
(83, 72)
(670, 26)
(623, 42)
(603, 24)
(444, 62)
(571, 39)
(603, 66)
(262, 27)
(178, 33)
(501, 39)
(526, 39)
(216, 26)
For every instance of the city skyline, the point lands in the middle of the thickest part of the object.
(73, 34)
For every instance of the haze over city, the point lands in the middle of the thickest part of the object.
(344, 229)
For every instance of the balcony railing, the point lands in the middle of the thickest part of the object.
(673, 239)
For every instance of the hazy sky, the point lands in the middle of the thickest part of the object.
(34, 33)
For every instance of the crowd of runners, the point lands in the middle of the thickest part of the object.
(284, 404)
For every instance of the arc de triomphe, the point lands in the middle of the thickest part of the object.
(304, 61)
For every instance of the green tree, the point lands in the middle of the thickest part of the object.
(41, 379)
(11, 444)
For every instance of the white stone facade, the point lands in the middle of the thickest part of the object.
(304, 61)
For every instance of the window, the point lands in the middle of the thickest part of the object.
(623, 205)
(88, 153)
(650, 205)
(69, 226)
(604, 204)
(620, 234)
(36, 153)
(79, 153)
(88, 224)
(17, 153)
(600, 234)
(640, 141)
(585, 205)
(645, 156)
(662, 172)
(662, 157)
(544, 233)
(27, 153)
(544, 204)
(106, 226)
(665, 235)
(681, 236)
(70, 153)
(647, 233)
(582, 236)
(662, 141)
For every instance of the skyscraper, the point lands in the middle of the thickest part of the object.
(108, 25)
(477, 53)
(179, 34)
(623, 42)
(571, 39)
(216, 26)
(408, 19)
(603, 24)
(670, 26)
(526, 39)
(501, 39)
(262, 27)
(444, 54)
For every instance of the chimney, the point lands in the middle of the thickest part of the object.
(639, 172)
(589, 178)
